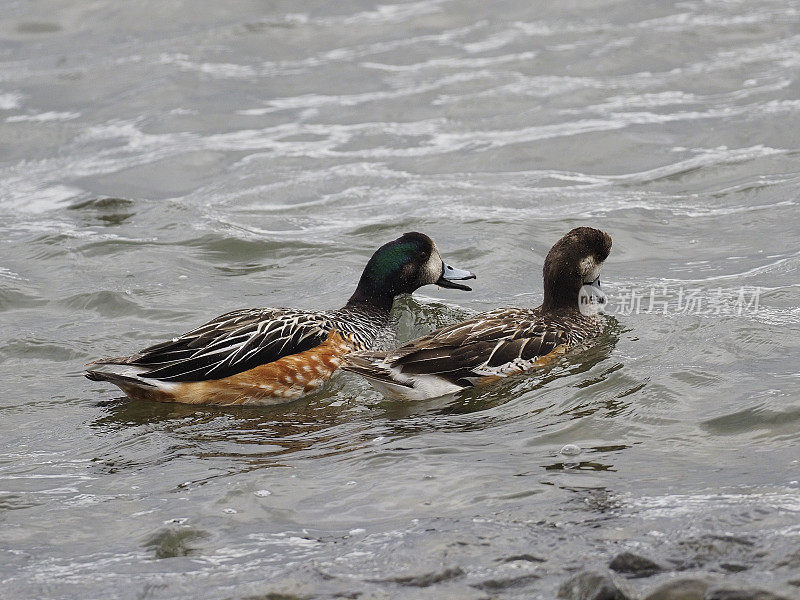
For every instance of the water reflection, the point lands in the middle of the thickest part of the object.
(246, 438)
(413, 317)
(583, 465)
(336, 420)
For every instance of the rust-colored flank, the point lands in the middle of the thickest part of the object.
(276, 382)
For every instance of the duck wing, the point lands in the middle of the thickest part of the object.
(232, 343)
(496, 343)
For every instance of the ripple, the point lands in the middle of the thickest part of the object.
(757, 418)
(41, 349)
(653, 507)
(44, 117)
(453, 63)
(10, 100)
(196, 160)
(116, 304)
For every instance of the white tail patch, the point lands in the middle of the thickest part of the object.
(417, 387)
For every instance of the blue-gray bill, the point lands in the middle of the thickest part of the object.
(450, 275)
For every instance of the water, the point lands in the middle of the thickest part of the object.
(164, 162)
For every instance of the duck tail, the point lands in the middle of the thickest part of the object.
(117, 372)
(371, 366)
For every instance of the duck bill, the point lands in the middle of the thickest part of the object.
(450, 275)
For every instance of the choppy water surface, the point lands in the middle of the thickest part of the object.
(164, 162)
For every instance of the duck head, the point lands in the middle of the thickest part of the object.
(402, 266)
(574, 260)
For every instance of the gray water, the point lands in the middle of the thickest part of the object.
(163, 162)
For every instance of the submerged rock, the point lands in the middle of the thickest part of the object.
(174, 541)
(522, 557)
(733, 567)
(589, 585)
(704, 549)
(792, 560)
(425, 579)
(680, 589)
(634, 565)
(742, 594)
(494, 585)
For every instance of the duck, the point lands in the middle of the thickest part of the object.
(267, 356)
(504, 341)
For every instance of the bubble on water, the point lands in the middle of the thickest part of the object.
(229, 511)
(262, 493)
(570, 450)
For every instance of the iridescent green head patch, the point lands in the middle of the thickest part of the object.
(399, 267)
(391, 259)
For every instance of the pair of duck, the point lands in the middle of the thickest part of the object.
(276, 355)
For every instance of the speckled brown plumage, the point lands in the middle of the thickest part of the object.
(500, 342)
(274, 355)
(281, 380)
